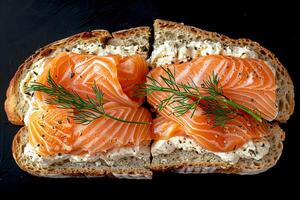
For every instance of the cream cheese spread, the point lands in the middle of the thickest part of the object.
(110, 157)
(171, 50)
(250, 150)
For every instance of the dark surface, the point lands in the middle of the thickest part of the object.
(29, 25)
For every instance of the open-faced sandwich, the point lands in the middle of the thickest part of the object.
(214, 103)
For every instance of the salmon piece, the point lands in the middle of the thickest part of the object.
(51, 130)
(164, 129)
(132, 72)
(78, 72)
(104, 133)
(247, 81)
(236, 132)
(233, 135)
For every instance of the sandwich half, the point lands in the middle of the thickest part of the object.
(191, 52)
(32, 148)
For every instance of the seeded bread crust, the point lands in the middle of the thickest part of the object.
(138, 36)
(183, 34)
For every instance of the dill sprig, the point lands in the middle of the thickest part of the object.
(185, 97)
(86, 110)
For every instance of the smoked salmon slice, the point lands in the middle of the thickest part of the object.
(114, 75)
(105, 133)
(132, 72)
(247, 81)
(164, 129)
(234, 134)
(245, 78)
(53, 131)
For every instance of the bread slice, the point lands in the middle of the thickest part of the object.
(125, 42)
(170, 39)
(100, 42)
(178, 35)
(129, 167)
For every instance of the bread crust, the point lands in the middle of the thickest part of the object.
(132, 36)
(123, 34)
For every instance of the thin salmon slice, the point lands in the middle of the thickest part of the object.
(105, 133)
(79, 72)
(247, 81)
(233, 135)
(164, 129)
(237, 131)
(53, 131)
(132, 72)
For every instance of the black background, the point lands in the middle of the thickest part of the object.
(28, 25)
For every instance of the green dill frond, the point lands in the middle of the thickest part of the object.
(185, 97)
(87, 110)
